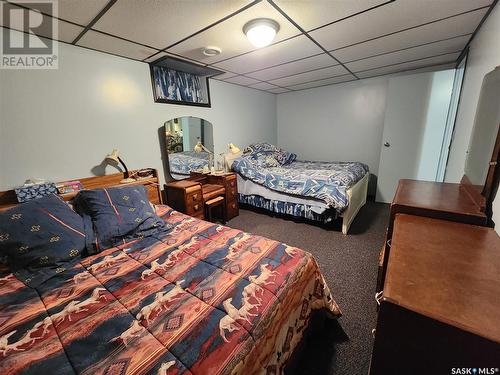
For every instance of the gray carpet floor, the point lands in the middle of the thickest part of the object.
(349, 264)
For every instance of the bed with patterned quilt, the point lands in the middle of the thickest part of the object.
(173, 295)
(272, 178)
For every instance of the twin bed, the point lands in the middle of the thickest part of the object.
(271, 178)
(184, 297)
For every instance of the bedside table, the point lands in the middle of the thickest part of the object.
(228, 180)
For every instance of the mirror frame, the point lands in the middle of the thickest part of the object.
(163, 147)
(484, 195)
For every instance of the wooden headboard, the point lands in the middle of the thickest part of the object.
(8, 198)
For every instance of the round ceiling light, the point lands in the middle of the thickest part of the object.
(261, 31)
(211, 51)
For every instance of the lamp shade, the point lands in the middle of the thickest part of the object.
(234, 149)
(198, 147)
(113, 156)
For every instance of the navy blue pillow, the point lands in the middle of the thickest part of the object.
(116, 215)
(41, 238)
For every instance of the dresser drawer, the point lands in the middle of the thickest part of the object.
(232, 209)
(231, 188)
(231, 193)
(194, 208)
(231, 182)
(195, 197)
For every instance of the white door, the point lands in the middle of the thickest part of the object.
(415, 121)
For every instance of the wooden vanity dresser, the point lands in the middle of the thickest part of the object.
(189, 195)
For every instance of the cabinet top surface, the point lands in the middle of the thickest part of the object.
(436, 196)
(181, 184)
(448, 271)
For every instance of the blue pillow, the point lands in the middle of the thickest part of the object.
(261, 146)
(263, 159)
(41, 238)
(257, 150)
(116, 215)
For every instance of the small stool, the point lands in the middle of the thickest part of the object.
(214, 203)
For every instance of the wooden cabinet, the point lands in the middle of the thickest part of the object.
(189, 196)
(438, 200)
(186, 196)
(230, 184)
(440, 306)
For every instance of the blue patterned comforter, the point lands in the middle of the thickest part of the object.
(327, 181)
(186, 161)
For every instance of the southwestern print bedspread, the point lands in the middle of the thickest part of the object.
(198, 299)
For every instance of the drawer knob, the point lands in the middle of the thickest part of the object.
(233, 205)
(233, 191)
(196, 207)
(378, 297)
(232, 183)
(195, 197)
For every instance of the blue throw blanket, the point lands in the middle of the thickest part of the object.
(327, 181)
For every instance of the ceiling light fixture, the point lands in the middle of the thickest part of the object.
(211, 51)
(261, 31)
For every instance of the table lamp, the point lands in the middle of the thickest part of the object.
(199, 148)
(234, 149)
(116, 158)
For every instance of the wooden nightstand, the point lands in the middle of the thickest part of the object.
(186, 196)
(228, 180)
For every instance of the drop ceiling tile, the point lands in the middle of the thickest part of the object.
(324, 82)
(67, 32)
(283, 52)
(263, 86)
(229, 36)
(438, 60)
(314, 75)
(81, 12)
(278, 90)
(162, 23)
(439, 48)
(242, 80)
(310, 14)
(225, 76)
(78, 11)
(106, 43)
(390, 18)
(448, 28)
(315, 62)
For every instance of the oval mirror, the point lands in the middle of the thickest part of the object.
(189, 144)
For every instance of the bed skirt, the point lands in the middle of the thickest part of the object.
(293, 209)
